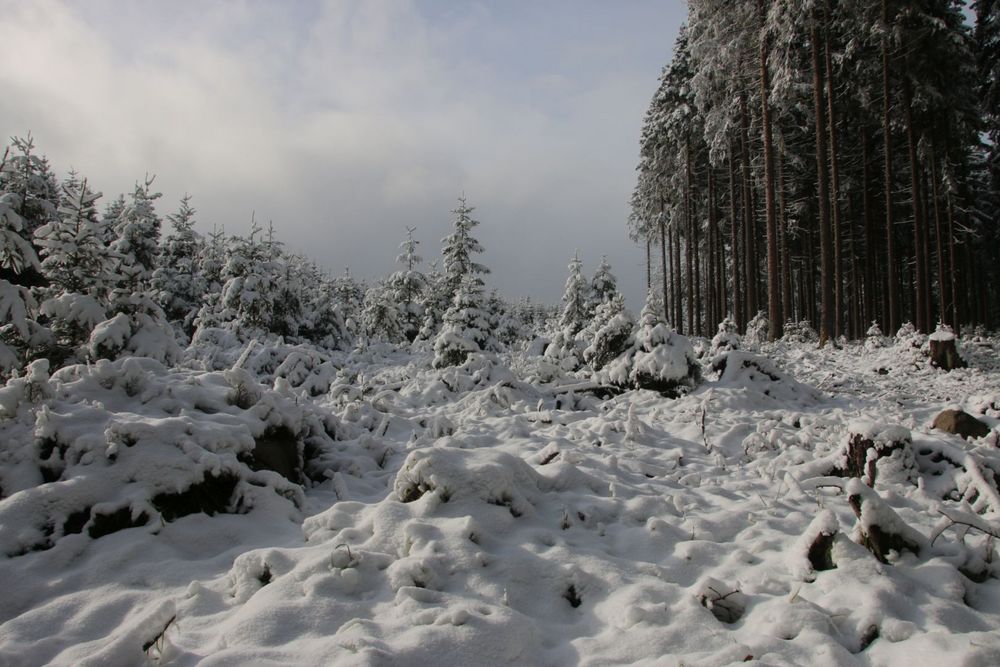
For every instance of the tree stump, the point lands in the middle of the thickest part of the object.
(944, 352)
(872, 448)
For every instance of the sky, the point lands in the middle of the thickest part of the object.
(346, 121)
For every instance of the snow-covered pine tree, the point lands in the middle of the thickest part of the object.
(288, 314)
(322, 320)
(136, 242)
(18, 331)
(460, 247)
(179, 283)
(248, 296)
(380, 318)
(28, 177)
(727, 337)
(407, 287)
(603, 286)
(613, 327)
(351, 296)
(505, 323)
(565, 346)
(78, 266)
(574, 314)
(661, 360)
(466, 327)
(435, 302)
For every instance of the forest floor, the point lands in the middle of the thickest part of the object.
(469, 516)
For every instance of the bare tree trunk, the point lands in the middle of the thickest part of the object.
(713, 262)
(825, 242)
(748, 213)
(871, 265)
(919, 279)
(938, 241)
(775, 320)
(952, 269)
(735, 238)
(689, 250)
(649, 261)
(678, 304)
(890, 233)
(838, 278)
(663, 262)
(786, 280)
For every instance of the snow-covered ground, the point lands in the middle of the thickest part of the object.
(467, 517)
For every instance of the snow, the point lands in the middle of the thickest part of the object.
(480, 514)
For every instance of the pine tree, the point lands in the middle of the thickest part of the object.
(663, 360)
(613, 327)
(136, 239)
(459, 249)
(78, 267)
(18, 331)
(466, 327)
(380, 318)
(350, 297)
(408, 286)
(28, 177)
(248, 296)
(179, 283)
(574, 314)
(603, 286)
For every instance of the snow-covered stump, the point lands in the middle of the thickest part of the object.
(813, 550)
(943, 350)
(878, 451)
(879, 528)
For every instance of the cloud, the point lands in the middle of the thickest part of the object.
(344, 121)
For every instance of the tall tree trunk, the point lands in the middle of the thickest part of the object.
(774, 316)
(786, 269)
(838, 278)
(919, 279)
(689, 250)
(713, 260)
(952, 268)
(938, 241)
(871, 265)
(825, 241)
(735, 239)
(890, 232)
(678, 304)
(663, 262)
(748, 213)
(649, 268)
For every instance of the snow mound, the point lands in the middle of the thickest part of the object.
(760, 377)
(129, 443)
(451, 474)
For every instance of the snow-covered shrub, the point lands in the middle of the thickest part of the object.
(908, 337)
(139, 329)
(727, 338)
(800, 332)
(757, 331)
(874, 338)
(73, 318)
